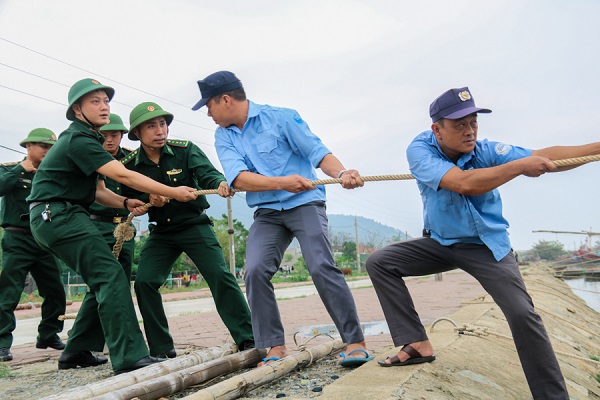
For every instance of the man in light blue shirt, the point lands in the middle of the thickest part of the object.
(458, 177)
(271, 153)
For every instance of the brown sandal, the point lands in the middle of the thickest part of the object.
(415, 358)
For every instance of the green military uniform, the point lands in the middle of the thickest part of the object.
(106, 220)
(21, 254)
(182, 227)
(65, 185)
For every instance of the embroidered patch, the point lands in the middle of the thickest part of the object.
(502, 149)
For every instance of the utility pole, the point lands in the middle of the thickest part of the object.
(357, 251)
(231, 241)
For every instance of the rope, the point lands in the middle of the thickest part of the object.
(373, 178)
(302, 346)
(485, 332)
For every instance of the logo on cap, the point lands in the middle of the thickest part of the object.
(464, 95)
(150, 108)
(95, 82)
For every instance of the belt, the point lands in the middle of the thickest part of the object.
(103, 218)
(19, 230)
(35, 204)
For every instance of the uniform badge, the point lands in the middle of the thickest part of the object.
(502, 149)
(95, 82)
(174, 172)
(464, 95)
(150, 108)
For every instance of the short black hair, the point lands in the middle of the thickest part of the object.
(238, 94)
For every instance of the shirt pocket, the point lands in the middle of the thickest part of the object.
(272, 153)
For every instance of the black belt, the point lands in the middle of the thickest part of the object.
(104, 218)
(19, 230)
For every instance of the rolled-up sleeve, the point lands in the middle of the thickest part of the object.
(231, 160)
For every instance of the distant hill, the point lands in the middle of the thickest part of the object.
(341, 227)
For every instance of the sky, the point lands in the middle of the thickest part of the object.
(361, 73)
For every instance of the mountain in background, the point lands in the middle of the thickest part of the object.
(341, 227)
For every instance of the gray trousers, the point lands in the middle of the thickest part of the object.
(501, 279)
(270, 234)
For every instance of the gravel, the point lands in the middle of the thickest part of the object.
(44, 379)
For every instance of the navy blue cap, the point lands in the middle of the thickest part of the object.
(454, 104)
(214, 84)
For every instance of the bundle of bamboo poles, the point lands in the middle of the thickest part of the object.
(98, 389)
(240, 384)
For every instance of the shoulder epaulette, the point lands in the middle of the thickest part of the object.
(126, 149)
(129, 157)
(10, 164)
(178, 143)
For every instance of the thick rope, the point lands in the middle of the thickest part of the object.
(122, 227)
(484, 332)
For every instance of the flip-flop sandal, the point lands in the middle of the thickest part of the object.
(266, 360)
(415, 358)
(354, 361)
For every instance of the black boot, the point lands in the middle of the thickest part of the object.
(82, 359)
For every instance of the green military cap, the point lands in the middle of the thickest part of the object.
(39, 135)
(83, 87)
(144, 112)
(115, 123)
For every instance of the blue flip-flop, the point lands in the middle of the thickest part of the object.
(266, 360)
(355, 361)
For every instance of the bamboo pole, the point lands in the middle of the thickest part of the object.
(241, 384)
(29, 306)
(180, 380)
(131, 378)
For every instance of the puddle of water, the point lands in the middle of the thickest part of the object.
(369, 329)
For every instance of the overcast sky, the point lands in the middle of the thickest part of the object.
(361, 73)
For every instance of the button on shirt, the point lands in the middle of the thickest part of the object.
(452, 217)
(273, 142)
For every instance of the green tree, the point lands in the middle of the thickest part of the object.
(549, 249)
(240, 236)
(349, 250)
(183, 262)
(300, 266)
(287, 257)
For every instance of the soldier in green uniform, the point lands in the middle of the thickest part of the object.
(179, 227)
(21, 254)
(64, 187)
(106, 218)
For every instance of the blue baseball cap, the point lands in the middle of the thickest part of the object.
(214, 84)
(454, 104)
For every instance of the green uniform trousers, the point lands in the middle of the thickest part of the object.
(159, 253)
(108, 306)
(20, 255)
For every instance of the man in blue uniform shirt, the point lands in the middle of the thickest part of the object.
(458, 177)
(271, 153)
